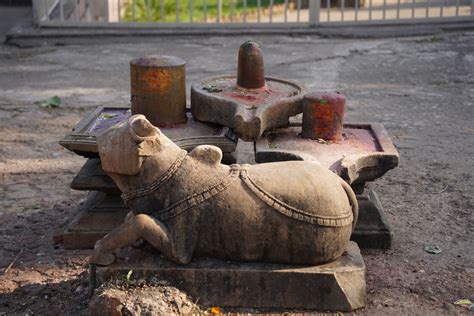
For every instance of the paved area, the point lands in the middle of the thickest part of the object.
(420, 88)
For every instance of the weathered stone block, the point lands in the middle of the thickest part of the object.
(99, 215)
(336, 286)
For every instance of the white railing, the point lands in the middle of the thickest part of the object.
(246, 12)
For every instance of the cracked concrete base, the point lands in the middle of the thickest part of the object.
(336, 286)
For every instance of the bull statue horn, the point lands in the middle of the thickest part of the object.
(141, 129)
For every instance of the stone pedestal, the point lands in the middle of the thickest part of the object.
(250, 103)
(366, 152)
(336, 286)
(96, 217)
(82, 140)
(372, 230)
(248, 112)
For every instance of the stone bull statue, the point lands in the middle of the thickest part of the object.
(188, 205)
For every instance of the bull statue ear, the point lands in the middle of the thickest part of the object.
(141, 129)
(145, 134)
(207, 153)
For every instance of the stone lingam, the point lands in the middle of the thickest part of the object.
(287, 216)
(250, 103)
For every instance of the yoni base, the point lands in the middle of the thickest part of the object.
(336, 286)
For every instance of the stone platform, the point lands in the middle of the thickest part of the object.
(336, 286)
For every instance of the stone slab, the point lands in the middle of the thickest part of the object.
(82, 139)
(91, 177)
(99, 215)
(336, 286)
(102, 212)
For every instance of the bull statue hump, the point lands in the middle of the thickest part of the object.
(191, 205)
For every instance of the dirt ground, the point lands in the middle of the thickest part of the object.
(420, 88)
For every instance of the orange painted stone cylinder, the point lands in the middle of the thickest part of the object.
(158, 89)
(323, 116)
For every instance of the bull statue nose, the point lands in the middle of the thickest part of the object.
(141, 128)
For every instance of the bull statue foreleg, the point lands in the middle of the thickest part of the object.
(134, 228)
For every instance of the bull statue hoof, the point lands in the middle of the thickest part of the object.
(101, 257)
(191, 205)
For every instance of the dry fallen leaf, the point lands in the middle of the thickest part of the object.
(215, 310)
(433, 249)
(463, 302)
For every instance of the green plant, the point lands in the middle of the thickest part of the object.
(198, 12)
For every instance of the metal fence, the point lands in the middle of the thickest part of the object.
(209, 13)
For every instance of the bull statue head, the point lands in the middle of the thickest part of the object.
(123, 147)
